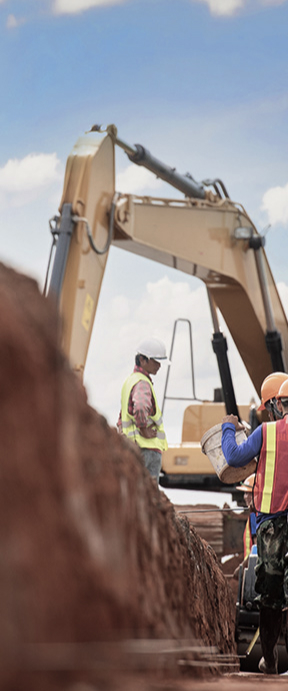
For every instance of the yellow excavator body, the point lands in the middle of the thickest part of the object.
(187, 457)
(204, 234)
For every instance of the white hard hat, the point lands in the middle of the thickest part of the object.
(153, 348)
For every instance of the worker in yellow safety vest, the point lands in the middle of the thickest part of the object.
(269, 442)
(140, 418)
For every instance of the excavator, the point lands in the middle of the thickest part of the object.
(203, 234)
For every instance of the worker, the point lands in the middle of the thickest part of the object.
(140, 418)
(269, 441)
(249, 536)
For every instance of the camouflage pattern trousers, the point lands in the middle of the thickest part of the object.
(152, 461)
(272, 563)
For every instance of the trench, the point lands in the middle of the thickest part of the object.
(101, 577)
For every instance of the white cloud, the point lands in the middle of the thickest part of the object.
(223, 7)
(230, 7)
(216, 7)
(77, 6)
(12, 21)
(22, 179)
(35, 170)
(275, 203)
(136, 180)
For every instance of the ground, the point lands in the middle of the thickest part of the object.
(102, 584)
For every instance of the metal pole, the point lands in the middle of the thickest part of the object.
(272, 337)
(220, 348)
(264, 290)
(142, 157)
(180, 398)
(62, 250)
(213, 311)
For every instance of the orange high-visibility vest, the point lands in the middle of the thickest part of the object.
(271, 486)
(247, 539)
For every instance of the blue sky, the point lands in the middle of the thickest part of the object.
(203, 85)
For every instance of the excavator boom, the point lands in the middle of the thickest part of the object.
(206, 235)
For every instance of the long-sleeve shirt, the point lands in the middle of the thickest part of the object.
(239, 455)
(235, 455)
(141, 402)
(252, 518)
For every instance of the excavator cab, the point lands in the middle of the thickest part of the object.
(184, 465)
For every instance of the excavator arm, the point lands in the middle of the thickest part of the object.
(205, 234)
(199, 237)
(83, 245)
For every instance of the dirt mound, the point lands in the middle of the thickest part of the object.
(92, 551)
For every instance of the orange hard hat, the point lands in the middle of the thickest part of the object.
(283, 391)
(247, 485)
(271, 386)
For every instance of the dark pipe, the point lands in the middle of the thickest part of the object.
(220, 348)
(274, 347)
(185, 184)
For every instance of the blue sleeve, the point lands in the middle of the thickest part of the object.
(252, 524)
(235, 455)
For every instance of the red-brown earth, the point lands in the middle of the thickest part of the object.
(99, 577)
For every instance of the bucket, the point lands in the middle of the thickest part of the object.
(211, 446)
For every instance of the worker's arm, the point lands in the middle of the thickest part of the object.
(147, 432)
(235, 455)
(119, 424)
(253, 527)
(143, 406)
(234, 420)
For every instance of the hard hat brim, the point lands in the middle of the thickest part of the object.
(261, 407)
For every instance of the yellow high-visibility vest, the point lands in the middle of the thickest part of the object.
(128, 422)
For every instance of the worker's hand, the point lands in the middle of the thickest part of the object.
(234, 421)
(148, 432)
(236, 573)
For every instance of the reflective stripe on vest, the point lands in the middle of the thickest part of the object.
(271, 486)
(247, 539)
(128, 422)
(269, 467)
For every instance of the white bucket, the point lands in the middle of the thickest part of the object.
(211, 446)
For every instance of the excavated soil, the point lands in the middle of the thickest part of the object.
(99, 578)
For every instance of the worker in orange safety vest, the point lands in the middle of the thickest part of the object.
(269, 441)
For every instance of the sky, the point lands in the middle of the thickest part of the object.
(203, 84)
